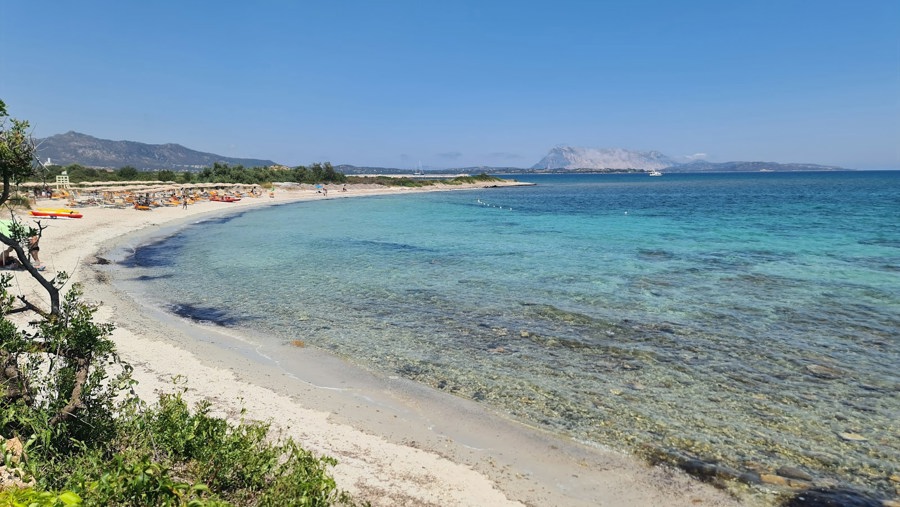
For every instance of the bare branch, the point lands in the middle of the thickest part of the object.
(75, 402)
(28, 306)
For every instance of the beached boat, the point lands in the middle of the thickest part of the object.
(655, 173)
(224, 198)
(142, 207)
(55, 213)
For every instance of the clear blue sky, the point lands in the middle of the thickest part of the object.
(454, 83)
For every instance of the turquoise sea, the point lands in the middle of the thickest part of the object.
(747, 320)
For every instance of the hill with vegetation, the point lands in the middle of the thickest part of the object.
(82, 149)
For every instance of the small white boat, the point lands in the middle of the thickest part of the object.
(655, 173)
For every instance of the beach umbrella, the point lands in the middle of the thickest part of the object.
(6, 228)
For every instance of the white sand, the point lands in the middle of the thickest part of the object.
(397, 443)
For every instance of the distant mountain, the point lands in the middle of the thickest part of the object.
(75, 148)
(573, 159)
(570, 157)
(701, 166)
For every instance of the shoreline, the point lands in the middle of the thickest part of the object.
(397, 442)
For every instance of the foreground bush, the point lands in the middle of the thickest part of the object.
(88, 440)
(170, 455)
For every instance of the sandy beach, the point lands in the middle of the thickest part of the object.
(397, 442)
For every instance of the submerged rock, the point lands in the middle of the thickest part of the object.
(793, 473)
(832, 497)
(707, 471)
(750, 477)
(852, 437)
(824, 372)
(773, 479)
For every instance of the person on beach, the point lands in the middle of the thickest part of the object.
(34, 249)
(9, 261)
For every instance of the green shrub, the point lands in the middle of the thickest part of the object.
(118, 450)
(29, 497)
(237, 461)
(480, 178)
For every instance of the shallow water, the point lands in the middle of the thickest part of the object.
(751, 320)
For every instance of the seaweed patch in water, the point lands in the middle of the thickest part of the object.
(893, 243)
(145, 278)
(205, 314)
(220, 219)
(160, 254)
(388, 245)
(654, 255)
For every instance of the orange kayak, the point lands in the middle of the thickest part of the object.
(55, 213)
